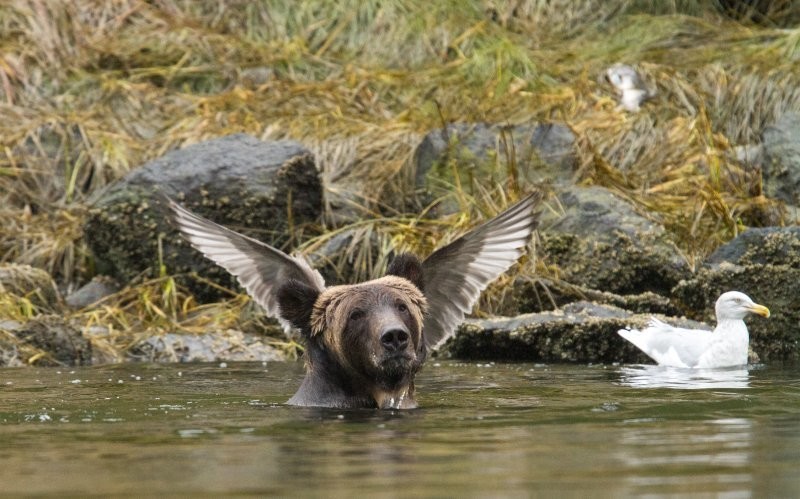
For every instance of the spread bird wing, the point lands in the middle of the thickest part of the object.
(258, 267)
(455, 275)
(668, 345)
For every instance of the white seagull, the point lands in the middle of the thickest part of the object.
(630, 87)
(725, 346)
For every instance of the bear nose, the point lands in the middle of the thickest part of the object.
(394, 340)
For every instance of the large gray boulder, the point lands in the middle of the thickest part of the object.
(267, 190)
(782, 159)
(776, 286)
(598, 241)
(580, 332)
(764, 264)
(464, 153)
(541, 295)
(759, 246)
(98, 288)
(233, 345)
(47, 340)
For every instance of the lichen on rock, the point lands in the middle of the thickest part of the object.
(579, 332)
(56, 340)
(600, 242)
(268, 190)
(776, 286)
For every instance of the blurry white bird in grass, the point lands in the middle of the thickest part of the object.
(726, 346)
(629, 85)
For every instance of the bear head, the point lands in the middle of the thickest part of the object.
(367, 337)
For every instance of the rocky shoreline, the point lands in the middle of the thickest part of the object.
(615, 265)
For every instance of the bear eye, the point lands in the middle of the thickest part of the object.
(356, 315)
(402, 307)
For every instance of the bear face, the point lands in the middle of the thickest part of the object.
(364, 341)
(373, 329)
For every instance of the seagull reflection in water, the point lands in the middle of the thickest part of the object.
(681, 378)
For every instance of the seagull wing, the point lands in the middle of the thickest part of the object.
(455, 275)
(668, 345)
(258, 267)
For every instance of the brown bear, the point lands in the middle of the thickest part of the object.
(366, 342)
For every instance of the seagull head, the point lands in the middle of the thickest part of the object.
(734, 305)
(623, 77)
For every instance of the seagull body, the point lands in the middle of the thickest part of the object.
(629, 85)
(726, 346)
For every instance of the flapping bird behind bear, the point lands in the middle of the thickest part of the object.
(366, 342)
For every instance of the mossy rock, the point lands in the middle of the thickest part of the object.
(761, 246)
(776, 286)
(782, 164)
(58, 341)
(230, 345)
(581, 332)
(599, 242)
(466, 154)
(267, 190)
(30, 283)
(95, 290)
(541, 295)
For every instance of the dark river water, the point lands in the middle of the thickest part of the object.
(483, 430)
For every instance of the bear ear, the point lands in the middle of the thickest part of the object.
(407, 266)
(295, 302)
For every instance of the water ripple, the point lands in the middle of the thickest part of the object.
(650, 376)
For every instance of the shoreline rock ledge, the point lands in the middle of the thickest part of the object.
(579, 332)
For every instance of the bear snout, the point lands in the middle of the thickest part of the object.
(394, 339)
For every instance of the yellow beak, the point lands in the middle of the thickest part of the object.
(760, 310)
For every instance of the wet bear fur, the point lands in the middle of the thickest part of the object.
(364, 342)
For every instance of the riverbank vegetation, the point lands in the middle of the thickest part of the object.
(92, 89)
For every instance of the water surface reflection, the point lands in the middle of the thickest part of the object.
(483, 430)
(717, 454)
(651, 376)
